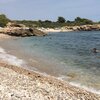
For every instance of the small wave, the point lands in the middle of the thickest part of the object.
(85, 87)
(2, 50)
(90, 89)
(10, 59)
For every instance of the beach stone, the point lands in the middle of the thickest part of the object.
(16, 84)
(21, 30)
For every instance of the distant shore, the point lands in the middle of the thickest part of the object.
(47, 30)
(20, 30)
(95, 27)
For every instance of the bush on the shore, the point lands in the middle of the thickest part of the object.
(3, 20)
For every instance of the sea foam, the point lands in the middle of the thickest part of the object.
(10, 59)
(85, 87)
(2, 50)
(79, 85)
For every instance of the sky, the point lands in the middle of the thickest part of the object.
(50, 9)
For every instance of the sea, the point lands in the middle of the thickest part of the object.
(67, 56)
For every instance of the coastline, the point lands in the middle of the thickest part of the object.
(94, 27)
(29, 84)
(20, 30)
(20, 83)
(48, 30)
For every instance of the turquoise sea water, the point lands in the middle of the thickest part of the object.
(65, 55)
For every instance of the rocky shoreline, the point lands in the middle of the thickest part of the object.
(95, 27)
(20, 30)
(20, 84)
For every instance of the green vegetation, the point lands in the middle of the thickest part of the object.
(3, 20)
(61, 21)
(82, 21)
(45, 24)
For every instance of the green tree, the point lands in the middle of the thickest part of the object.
(48, 21)
(3, 20)
(78, 19)
(82, 21)
(61, 20)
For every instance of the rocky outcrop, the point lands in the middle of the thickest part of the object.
(25, 32)
(9, 25)
(95, 27)
(21, 30)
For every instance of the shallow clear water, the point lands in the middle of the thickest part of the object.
(65, 55)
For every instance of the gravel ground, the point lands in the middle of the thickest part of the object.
(20, 84)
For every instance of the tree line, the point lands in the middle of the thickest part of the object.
(61, 21)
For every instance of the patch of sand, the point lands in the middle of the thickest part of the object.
(3, 36)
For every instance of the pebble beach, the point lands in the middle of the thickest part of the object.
(20, 84)
(17, 83)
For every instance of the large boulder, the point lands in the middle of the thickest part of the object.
(21, 30)
(25, 32)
